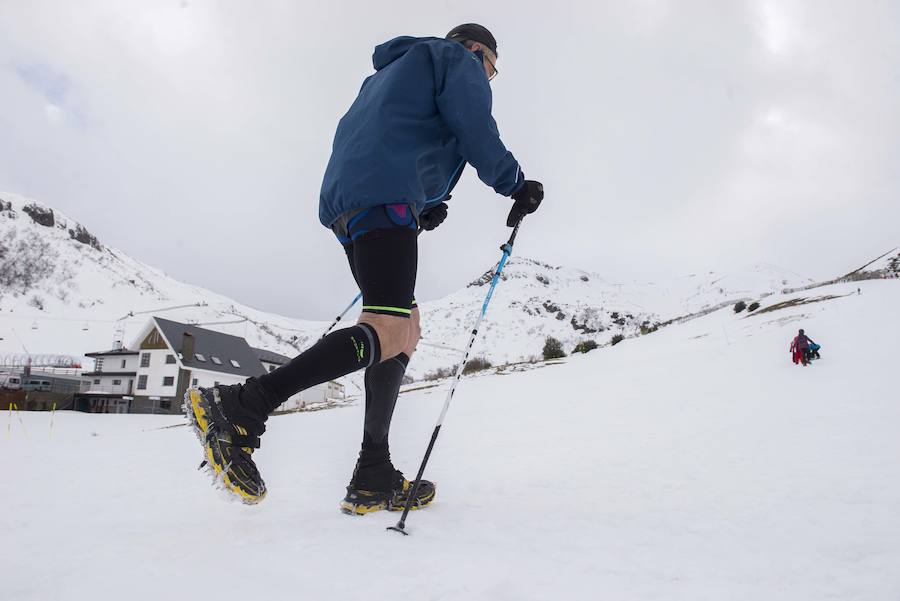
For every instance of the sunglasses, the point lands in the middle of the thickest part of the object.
(494, 71)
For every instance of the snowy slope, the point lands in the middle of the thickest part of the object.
(887, 265)
(535, 300)
(62, 295)
(693, 463)
(63, 292)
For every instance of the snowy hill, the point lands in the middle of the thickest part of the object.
(885, 266)
(62, 291)
(536, 300)
(693, 463)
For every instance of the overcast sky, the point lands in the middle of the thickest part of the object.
(671, 137)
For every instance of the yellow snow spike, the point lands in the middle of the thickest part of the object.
(199, 413)
(219, 470)
(245, 496)
(361, 509)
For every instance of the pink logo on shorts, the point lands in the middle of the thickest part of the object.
(400, 210)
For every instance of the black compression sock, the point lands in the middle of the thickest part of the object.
(338, 354)
(382, 387)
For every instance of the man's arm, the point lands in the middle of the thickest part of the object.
(463, 97)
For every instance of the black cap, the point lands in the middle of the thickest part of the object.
(472, 32)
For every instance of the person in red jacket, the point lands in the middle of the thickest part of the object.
(800, 348)
(795, 353)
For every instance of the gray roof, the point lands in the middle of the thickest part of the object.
(212, 344)
(270, 356)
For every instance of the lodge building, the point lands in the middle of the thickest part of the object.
(166, 357)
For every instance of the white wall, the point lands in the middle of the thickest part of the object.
(111, 365)
(157, 370)
(107, 384)
(209, 378)
(316, 394)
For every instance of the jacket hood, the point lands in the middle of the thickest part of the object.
(391, 50)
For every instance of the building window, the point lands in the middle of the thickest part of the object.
(124, 362)
(165, 404)
(142, 382)
(96, 380)
(169, 381)
(199, 357)
(170, 359)
(216, 360)
(194, 382)
(235, 363)
(98, 364)
(117, 382)
(145, 359)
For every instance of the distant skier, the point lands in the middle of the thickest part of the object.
(800, 348)
(397, 154)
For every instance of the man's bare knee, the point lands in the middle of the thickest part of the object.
(415, 332)
(393, 332)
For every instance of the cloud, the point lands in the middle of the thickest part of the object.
(54, 113)
(670, 136)
(52, 85)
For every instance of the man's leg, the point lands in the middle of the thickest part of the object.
(385, 268)
(341, 352)
(384, 264)
(229, 420)
(382, 386)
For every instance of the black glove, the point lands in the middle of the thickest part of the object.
(433, 217)
(528, 198)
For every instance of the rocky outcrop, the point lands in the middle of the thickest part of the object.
(80, 234)
(40, 215)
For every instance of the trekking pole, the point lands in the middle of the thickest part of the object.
(507, 250)
(344, 312)
(350, 306)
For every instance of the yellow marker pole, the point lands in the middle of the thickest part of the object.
(21, 423)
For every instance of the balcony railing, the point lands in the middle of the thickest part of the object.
(89, 388)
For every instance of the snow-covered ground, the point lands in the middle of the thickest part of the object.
(693, 463)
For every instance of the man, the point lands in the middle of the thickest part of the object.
(397, 154)
(800, 348)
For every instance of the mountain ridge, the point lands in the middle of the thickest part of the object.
(63, 291)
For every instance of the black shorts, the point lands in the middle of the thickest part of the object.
(383, 262)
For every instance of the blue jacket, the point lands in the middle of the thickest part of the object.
(416, 122)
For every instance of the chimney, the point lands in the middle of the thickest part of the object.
(187, 346)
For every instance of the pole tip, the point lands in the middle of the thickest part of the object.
(399, 528)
